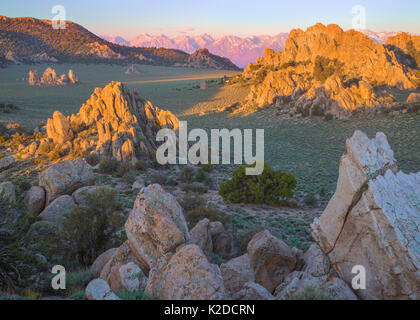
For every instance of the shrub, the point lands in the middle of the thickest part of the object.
(325, 68)
(90, 229)
(201, 176)
(195, 215)
(414, 108)
(328, 117)
(191, 201)
(162, 179)
(187, 174)
(92, 159)
(141, 165)
(129, 177)
(270, 187)
(195, 188)
(310, 200)
(207, 167)
(108, 166)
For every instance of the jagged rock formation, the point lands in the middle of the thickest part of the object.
(112, 123)
(133, 69)
(202, 58)
(50, 78)
(409, 45)
(326, 70)
(373, 221)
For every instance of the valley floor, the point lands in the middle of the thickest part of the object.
(309, 149)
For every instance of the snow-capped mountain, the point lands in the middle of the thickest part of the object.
(116, 39)
(240, 50)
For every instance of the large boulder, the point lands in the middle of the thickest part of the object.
(56, 212)
(8, 191)
(64, 178)
(156, 225)
(6, 162)
(252, 291)
(200, 235)
(80, 195)
(222, 240)
(271, 259)
(35, 200)
(373, 221)
(413, 97)
(128, 277)
(121, 256)
(58, 128)
(97, 266)
(236, 273)
(98, 289)
(186, 276)
(318, 276)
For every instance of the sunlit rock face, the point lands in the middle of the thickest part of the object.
(327, 70)
(373, 221)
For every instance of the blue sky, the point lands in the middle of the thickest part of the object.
(129, 18)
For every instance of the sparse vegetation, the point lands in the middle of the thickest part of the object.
(91, 229)
(270, 187)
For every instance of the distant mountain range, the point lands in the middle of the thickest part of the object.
(240, 50)
(30, 40)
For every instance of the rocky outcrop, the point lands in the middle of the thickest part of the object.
(317, 275)
(373, 221)
(200, 235)
(55, 213)
(35, 200)
(50, 78)
(65, 177)
(326, 70)
(156, 226)
(252, 291)
(122, 256)
(80, 196)
(8, 191)
(413, 97)
(236, 273)
(58, 128)
(6, 162)
(409, 45)
(133, 69)
(187, 275)
(128, 277)
(97, 266)
(202, 58)
(271, 259)
(112, 123)
(99, 289)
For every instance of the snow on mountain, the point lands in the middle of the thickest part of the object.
(240, 50)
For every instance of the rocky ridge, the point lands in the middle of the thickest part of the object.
(326, 70)
(50, 78)
(112, 123)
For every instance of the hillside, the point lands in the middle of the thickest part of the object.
(326, 70)
(29, 40)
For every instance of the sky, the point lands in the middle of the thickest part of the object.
(129, 18)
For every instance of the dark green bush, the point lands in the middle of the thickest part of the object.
(187, 174)
(270, 187)
(310, 200)
(194, 188)
(91, 229)
(141, 165)
(108, 166)
(201, 176)
(191, 201)
(207, 167)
